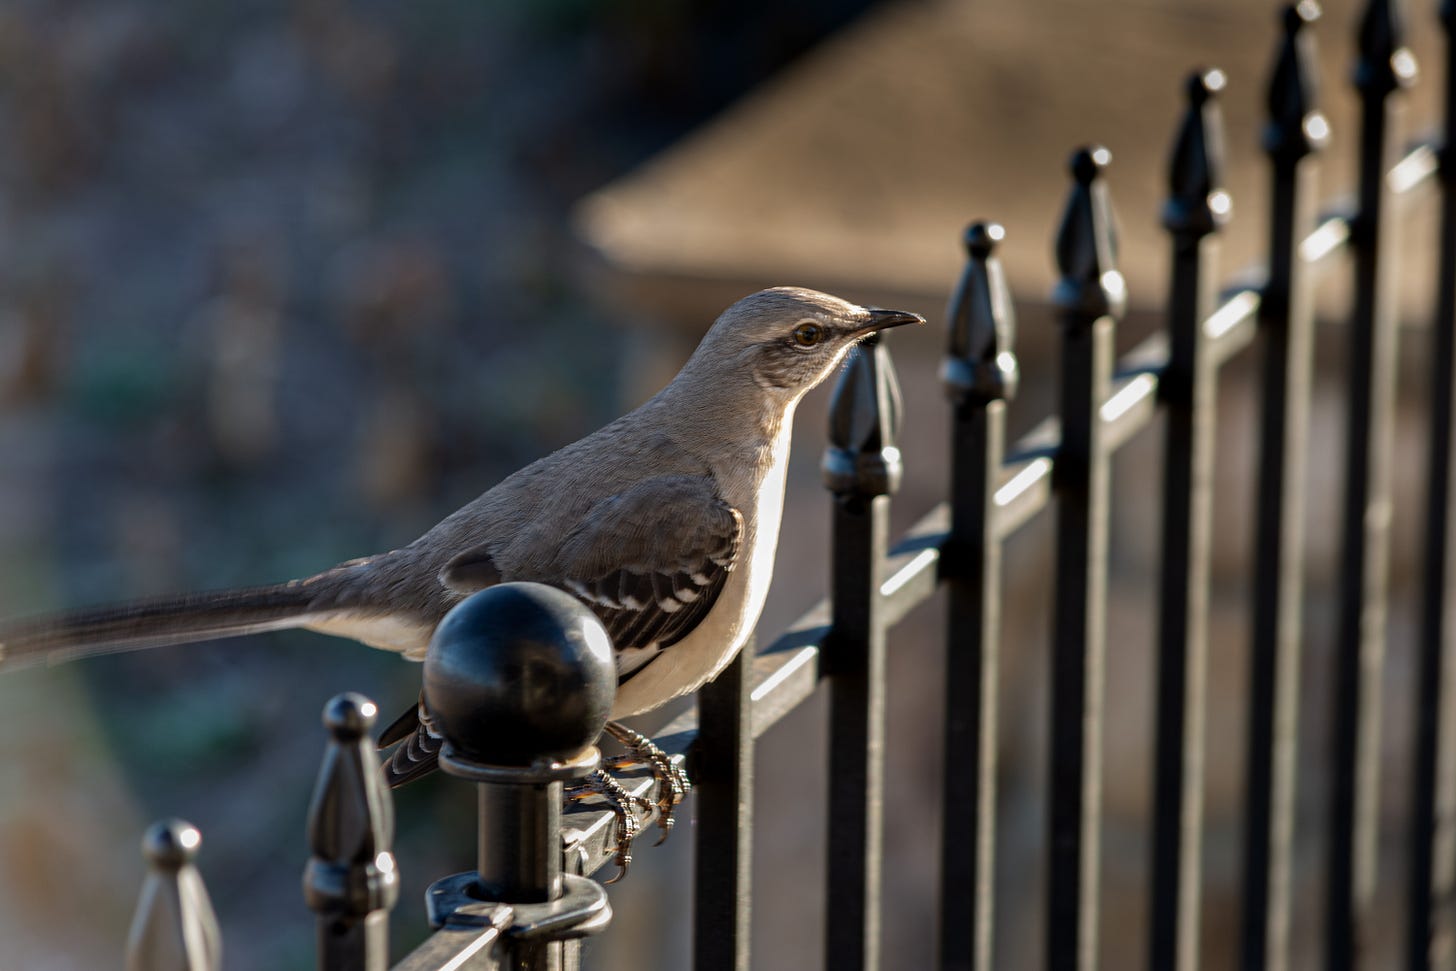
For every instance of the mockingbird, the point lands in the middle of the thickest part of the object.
(664, 523)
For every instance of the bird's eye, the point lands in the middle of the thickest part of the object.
(808, 334)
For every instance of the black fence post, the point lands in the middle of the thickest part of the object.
(723, 794)
(1383, 68)
(861, 467)
(1089, 296)
(1294, 132)
(1431, 931)
(174, 928)
(351, 881)
(1197, 206)
(519, 682)
(980, 375)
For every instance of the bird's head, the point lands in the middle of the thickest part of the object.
(788, 339)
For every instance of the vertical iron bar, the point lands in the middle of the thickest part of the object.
(1294, 132)
(1196, 208)
(723, 792)
(1433, 805)
(518, 857)
(1089, 295)
(861, 467)
(351, 881)
(518, 845)
(979, 374)
(1383, 68)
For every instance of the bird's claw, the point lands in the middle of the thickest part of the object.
(624, 806)
(673, 782)
(673, 785)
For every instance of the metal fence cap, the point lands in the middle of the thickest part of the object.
(350, 819)
(175, 928)
(520, 674)
(1295, 127)
(350, 716)
(1086, 250)
(979, 363)
(171, 844)
(1197, 202)
(862, 460)
(1384, 64)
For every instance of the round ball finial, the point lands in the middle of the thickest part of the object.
(982, 237)
(1087, 163)
(1299, 15)
(171, 844)
(350, 716)
(1202, 85)
(518, 674)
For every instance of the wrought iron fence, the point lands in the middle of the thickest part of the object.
(526, 898)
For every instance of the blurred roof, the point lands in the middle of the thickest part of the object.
(858, 167)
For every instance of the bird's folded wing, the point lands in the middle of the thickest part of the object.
(651, 561)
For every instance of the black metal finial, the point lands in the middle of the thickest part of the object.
(864, 424)
(979, 365)
(171, 844)
(519, 674)
(350, 820)
(174, 928)
(1296, 127)
(1197, 202)
(1090, 284)
(349, 716)
(1384, 64)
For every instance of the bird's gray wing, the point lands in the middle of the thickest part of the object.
(651, 561)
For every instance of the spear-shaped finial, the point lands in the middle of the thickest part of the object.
(1197, 202)
(1090, 285)
(1384, 63)
(979, 365)
(351, 874)
(864, 423)
(174, 928)
(351, 819)
(1296, 127)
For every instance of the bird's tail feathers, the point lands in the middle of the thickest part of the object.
(154, 623)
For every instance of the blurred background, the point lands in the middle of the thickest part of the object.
(284, 283)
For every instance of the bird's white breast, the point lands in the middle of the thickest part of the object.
(697, 658)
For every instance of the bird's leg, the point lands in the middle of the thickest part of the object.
(624, 805)
(672, 779)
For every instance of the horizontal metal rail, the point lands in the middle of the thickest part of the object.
(787, 672)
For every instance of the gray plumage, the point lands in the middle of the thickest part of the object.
(663, 523)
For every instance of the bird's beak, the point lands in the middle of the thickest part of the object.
(885, 319)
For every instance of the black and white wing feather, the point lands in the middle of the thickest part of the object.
(418, 751)
(651, 562)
